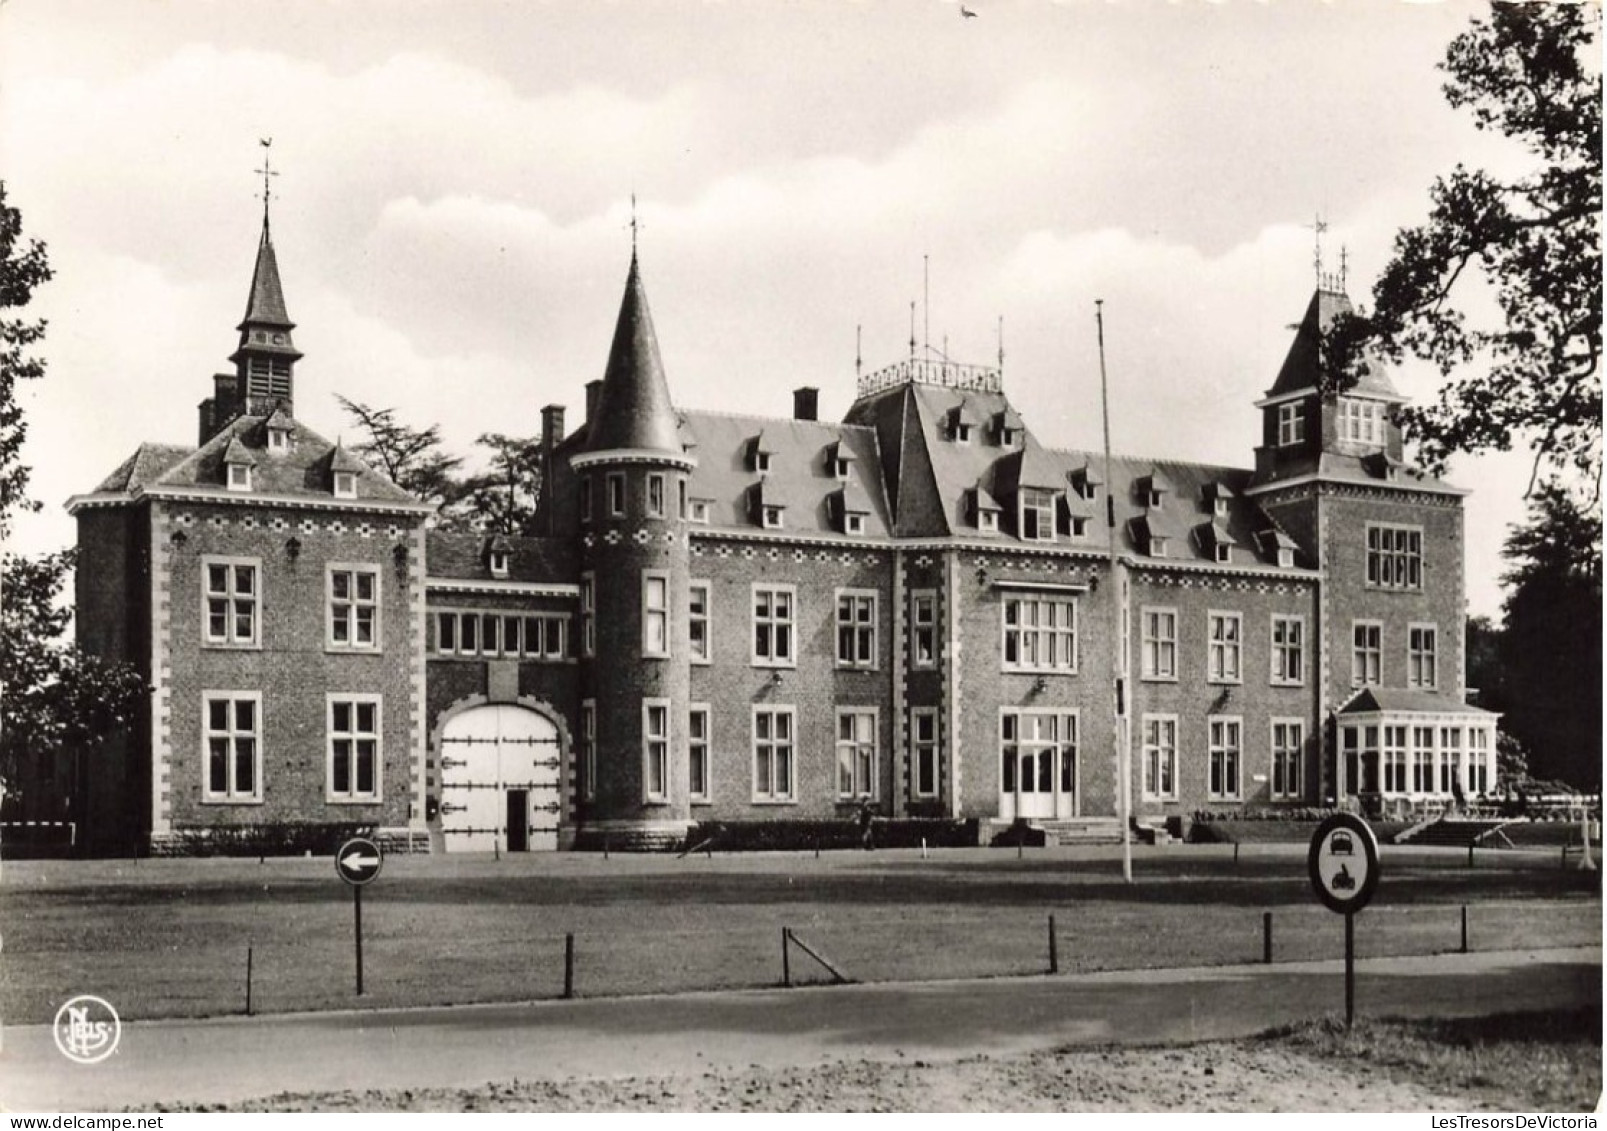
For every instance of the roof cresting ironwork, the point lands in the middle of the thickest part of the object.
(933, 371)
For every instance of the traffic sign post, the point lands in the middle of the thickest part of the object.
(357, 862)
(1343, 865)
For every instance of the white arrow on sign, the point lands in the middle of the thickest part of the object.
(358, 860)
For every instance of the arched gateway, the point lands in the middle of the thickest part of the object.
(500, 780)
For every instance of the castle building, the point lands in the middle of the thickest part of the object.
(729, 618)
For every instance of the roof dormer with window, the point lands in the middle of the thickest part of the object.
(851, 507)
(1216, 541)
(1278, 548)
(1218, 497)
(759, 455)
(238, 466)
(1152, 490)
(280, 430)
(1007, 427)
(499, 556)
(985, 510)
(766, 507)
(962, 422)
(839, 460)
(1086, 480)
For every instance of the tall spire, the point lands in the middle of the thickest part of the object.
(634, 411)
(267, 353)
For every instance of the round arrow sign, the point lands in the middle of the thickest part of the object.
(358, 861)
(1343, 862)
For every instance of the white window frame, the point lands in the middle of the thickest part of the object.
(773, 628)
(1068, 737)
(1360, 652)
(1057, 638)
(499, 561)
(1160, 757)
(1224, 660)
(588, 614)
(615, 481)
(853, 522)
(230, 794)
(1158, 653)
(772, 516)
(1450, 758)
(345, 486)
(1230, 757)
(858, 630)
(549, 641)
(923, 629)
(656, 751)
(1423, 758)
(1394, 758)
(863, 756)
(699, 753)
(655, 614)
(1361, 421)
(767, 792)
(239, 476)
(355, 736)
(699, 512)
(1039, 505)
(234, 602)
(1480, 762)
(1394, 557)
(1287, 743)
(987, 521)
(588, 749)
(1291, 423)
(347, 612)
(1422, 656)
(924, 753)
(1289, 652)
(761, 462)
(653, 494)
(703, 620)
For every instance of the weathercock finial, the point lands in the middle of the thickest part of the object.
(267, 172)
(1318, 227)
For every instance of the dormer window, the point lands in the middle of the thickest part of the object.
(1085, 482)
(239, 476)
(853, 523)
(759, 455)
(1286, 557)
(1361, 421)
(1219, 507)
(499, 563)
(1224, 552)
(761, 462)
(988, 522)
(699, 511)
(278, 441)
(772, 516)
(1157, 545)
(1154, 497)
(1037, 519)
(840, 467)
(345, 485)
(1079, 526)
(962, 432)
(1007, 437)
(237, 464)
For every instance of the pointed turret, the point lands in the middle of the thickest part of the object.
(266, 355)
(634, 412)
(1300, 370)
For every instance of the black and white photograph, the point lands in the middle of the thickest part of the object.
(745, 556)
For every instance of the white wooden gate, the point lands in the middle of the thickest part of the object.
(500, 780)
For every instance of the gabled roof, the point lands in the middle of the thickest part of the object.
(1030, 466)
(342, 460)
(634, 411)
(1216, 534)
(280, 419)
(236, 452)
(1301, 367)
(145, 466)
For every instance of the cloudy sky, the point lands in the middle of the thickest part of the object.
(451, 214)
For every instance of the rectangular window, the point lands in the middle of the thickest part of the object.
(699, 511)
(446, 633)
(1361, 422)
(1159, 637)
(1291, 424)
(772, 753)
(469, 634)
(772, 517)
(1160, 757)
(1367, 653)
(1037, 515)
(588, 749)
(585, 498)
(1394, 753)
(698, 625)
(232, 745)
(1450, 758)
(856, 629)
(1395, 557)
(923, 629)
(697, 753)
(772, 626)
(353, 608)
(680, 491)
(1226, 753)
(656, 749)
(1288, 755)
(1040, 634)
(1422, 668)
(616, 494)
(490, 634)
(655, 496)
(588, 615)
(1422, 759)
(856, 753)
(1288, 650)
(546, 636)
(923, 742)
(233, 600)
(1479, 772)
(655, 614)
(1226, 645)
(354, 748)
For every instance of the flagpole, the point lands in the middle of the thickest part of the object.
(1118, 600)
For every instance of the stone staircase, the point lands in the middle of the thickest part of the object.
(1080, 830)
(1451, 832)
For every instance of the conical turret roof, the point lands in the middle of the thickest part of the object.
(634, 411)
(265, 306)
(1302, 367)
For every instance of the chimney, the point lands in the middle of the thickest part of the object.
(222, 406)
(207, 409)
(594, 396)
(552, 426)
(806, 403)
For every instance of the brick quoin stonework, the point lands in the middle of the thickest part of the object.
(721, 618)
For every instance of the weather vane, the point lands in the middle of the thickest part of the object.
(1318, 227)
(267, 172)
(635, 224)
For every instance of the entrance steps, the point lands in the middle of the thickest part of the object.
(1451, 832)
(1080, 830)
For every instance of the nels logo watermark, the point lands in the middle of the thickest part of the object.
(87, 1029)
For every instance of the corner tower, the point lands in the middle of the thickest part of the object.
(636, 676)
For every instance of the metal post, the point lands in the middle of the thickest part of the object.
(786, 959)
(1118, 620)
(1350, 968)
(1470, 855)
(1266, 937)
(1464, 928)
(248, 979)
(1054, 949)
(357, 925)
(569, 966)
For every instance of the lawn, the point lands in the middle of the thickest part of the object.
(170, 937)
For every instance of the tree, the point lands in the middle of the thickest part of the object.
(22, 269)
(1531, 243)
(1551, 642)
(504, 499)
(410, 457)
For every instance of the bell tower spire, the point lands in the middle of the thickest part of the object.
(266, 357)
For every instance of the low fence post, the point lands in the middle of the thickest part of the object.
(1464, 928)
(786, 959)
(249, 949)
(1054, 948)
(1266, 937)
(569, 966)
(1470, 855)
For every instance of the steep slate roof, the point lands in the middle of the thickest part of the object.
(265, 305)
(304, 470)
(799, 479)
(1372, 700)
(1300, 369)
(463, 557)
(634, 411)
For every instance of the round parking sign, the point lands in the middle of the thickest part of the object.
(1343, 862)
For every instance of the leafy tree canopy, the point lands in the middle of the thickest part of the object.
(23, 267)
